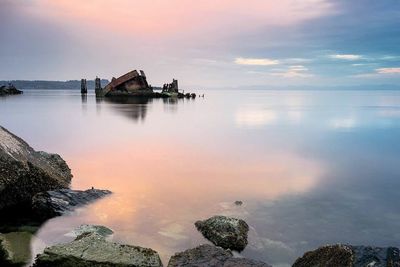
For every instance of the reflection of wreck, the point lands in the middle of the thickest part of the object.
(134, 108)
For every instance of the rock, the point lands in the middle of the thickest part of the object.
(62, 201)
(87, 228)
(203, 255)
(228, 233)
(9, 90)
(16, 247)
(4, 257)
(94, 250)
(243, 262)
(238, 203)
(350, 256)
(210, 256)
(25, 172)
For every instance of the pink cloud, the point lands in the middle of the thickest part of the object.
(388, 70)
(166, 17)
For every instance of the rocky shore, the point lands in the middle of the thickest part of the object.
(37, 182)
(34, 186)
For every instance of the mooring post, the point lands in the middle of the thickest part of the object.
(83, 86)
(97, 87)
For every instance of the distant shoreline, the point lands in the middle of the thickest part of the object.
(51, 85)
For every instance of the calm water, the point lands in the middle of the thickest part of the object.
(310, 167)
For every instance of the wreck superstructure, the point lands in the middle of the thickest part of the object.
(132, 82)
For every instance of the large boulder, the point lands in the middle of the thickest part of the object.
(225, 232)
(350, 256)
(93, 250)
(62, 201)
(25, 172)
(210, 256)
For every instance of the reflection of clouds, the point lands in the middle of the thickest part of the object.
(174, 231)
(255, 118)
(258, 118)
(342, 123)
(295, 116)
(389, 113)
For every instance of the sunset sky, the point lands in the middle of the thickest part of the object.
(209, 43)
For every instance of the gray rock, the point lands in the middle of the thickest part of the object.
(62, 201)
(91, 249)
(238, 203)
(15, 248)
(375, 256)
(350, 256)
(243, 262)
(4, 257)
(211, 256)
(201, 256)
(25, 172)
(88, 228)
(228, 233)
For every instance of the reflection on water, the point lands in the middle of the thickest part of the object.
(310, 167)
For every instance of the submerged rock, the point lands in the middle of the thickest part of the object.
(94, 250)
(88, 228)
(25, 172)
(238, 203)
(226, 232)
(210, 256)
(58, 202)
(350, 256)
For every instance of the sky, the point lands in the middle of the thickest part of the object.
(204, 44)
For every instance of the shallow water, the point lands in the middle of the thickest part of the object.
(311, 167)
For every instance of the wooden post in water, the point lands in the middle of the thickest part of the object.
(83, 86)
(97, 87)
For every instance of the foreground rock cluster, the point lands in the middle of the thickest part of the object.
(33, 186)
(91, 248)
(39, 181)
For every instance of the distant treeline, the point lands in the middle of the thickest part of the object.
(72, 84)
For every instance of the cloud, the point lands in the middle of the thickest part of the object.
(388, 70)
(256, 61)
(295, 71)
(346, 56)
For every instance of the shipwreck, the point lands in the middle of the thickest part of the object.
(134, 84)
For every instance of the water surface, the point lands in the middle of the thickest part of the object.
(311, 167)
